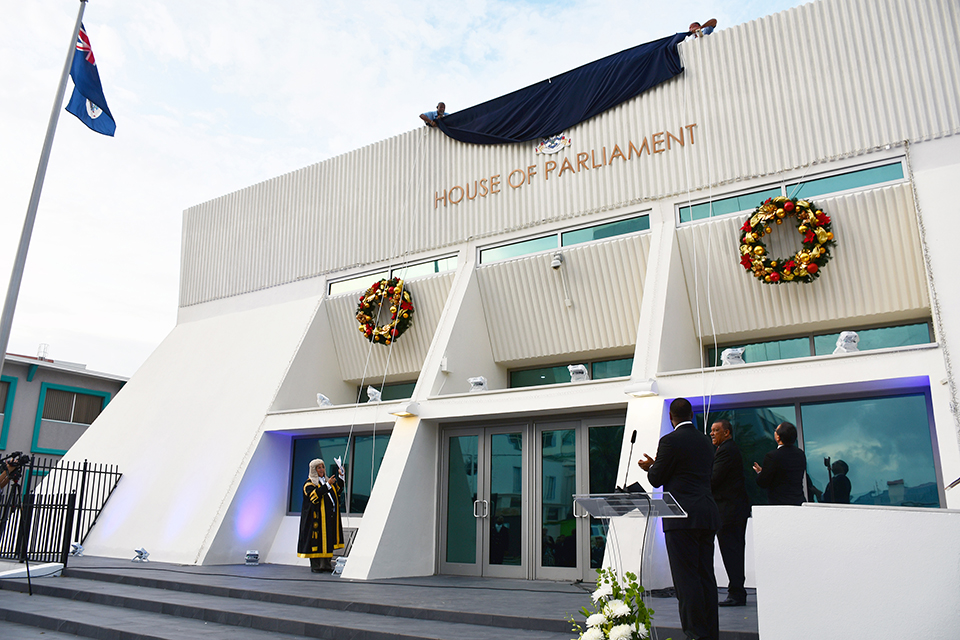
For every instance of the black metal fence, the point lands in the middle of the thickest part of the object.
(55, 503)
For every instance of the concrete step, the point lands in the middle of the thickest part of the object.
(107, 609)
(66, 618)
(344, 596)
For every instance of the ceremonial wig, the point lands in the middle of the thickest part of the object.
(314, 477)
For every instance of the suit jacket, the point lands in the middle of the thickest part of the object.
(782, 475)
(837, 490)
(683, 467)
(727, 484)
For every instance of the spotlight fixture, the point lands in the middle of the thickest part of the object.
(557, 261)
(477, 384)
(731, 357)
(142, 555)
(408, 411)
(76, 549)
(253, 558)
(578, 372)
(847, 342)
(642, 389)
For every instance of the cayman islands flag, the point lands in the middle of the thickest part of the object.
(87, 101)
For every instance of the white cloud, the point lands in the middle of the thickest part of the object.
(210, 97)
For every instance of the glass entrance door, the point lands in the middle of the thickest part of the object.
(507, 505)
(574, 457)
(484, 505)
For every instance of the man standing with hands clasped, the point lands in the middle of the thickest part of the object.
(683, 466)
(730, 494)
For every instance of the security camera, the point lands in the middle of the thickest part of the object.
(557, 261)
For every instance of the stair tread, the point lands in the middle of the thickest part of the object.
(406, 592)
(70, 618)
(124, 601)
(401, 599)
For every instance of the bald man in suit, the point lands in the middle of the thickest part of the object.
(683, 466)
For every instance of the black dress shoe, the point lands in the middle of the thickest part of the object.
(730, 602)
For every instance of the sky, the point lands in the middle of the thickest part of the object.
(214, 96)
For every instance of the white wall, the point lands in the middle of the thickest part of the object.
(398, 537)
(827, 571)
(936, 172)
(185, 428)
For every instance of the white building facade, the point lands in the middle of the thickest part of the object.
(620, 252)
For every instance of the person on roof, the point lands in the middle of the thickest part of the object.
(699, 30)
(430, 117)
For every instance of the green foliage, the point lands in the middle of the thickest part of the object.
(618, 610)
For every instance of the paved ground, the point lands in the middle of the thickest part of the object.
(456, 595)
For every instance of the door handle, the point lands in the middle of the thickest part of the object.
(486, 508)
(476, 506)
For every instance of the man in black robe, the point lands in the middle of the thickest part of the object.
(321, 531)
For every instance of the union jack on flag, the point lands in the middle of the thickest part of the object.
(87, 101)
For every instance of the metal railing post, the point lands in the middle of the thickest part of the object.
(83, 487)
(71, 510)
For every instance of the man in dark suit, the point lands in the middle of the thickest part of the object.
(730, 494)
(683, 466)
(783, 468)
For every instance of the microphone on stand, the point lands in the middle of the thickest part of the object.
(633, 439)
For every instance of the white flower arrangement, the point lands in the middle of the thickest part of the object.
(603, 592)
(596, 620)
(618, 610)
(621, 632)
(593, 633)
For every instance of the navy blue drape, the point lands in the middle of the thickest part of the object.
(550, 106)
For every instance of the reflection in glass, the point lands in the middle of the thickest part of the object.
(852, 180)
(605, 230)
(307, 449)
(543, 375)
(880, 338)
(765, 351)
(392, 391)
(367, 456)
(517, 249)
(605, 444)
(425, 268)
(461, 494)
(723, 206)
(559, 533)
(612, 369)
(885, 444)
(506, 497)
(360, 283)
(753, 429)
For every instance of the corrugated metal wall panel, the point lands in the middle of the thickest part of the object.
(876, 269)
(523, 300)
(830, 79)
(359, 358)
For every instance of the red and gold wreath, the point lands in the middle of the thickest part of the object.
(385, 294)
(805, 265)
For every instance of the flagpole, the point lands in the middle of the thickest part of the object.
(13, 291)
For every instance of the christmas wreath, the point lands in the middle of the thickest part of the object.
(805, 265)
(373, 305)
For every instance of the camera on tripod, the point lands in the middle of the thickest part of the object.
(12, 467)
